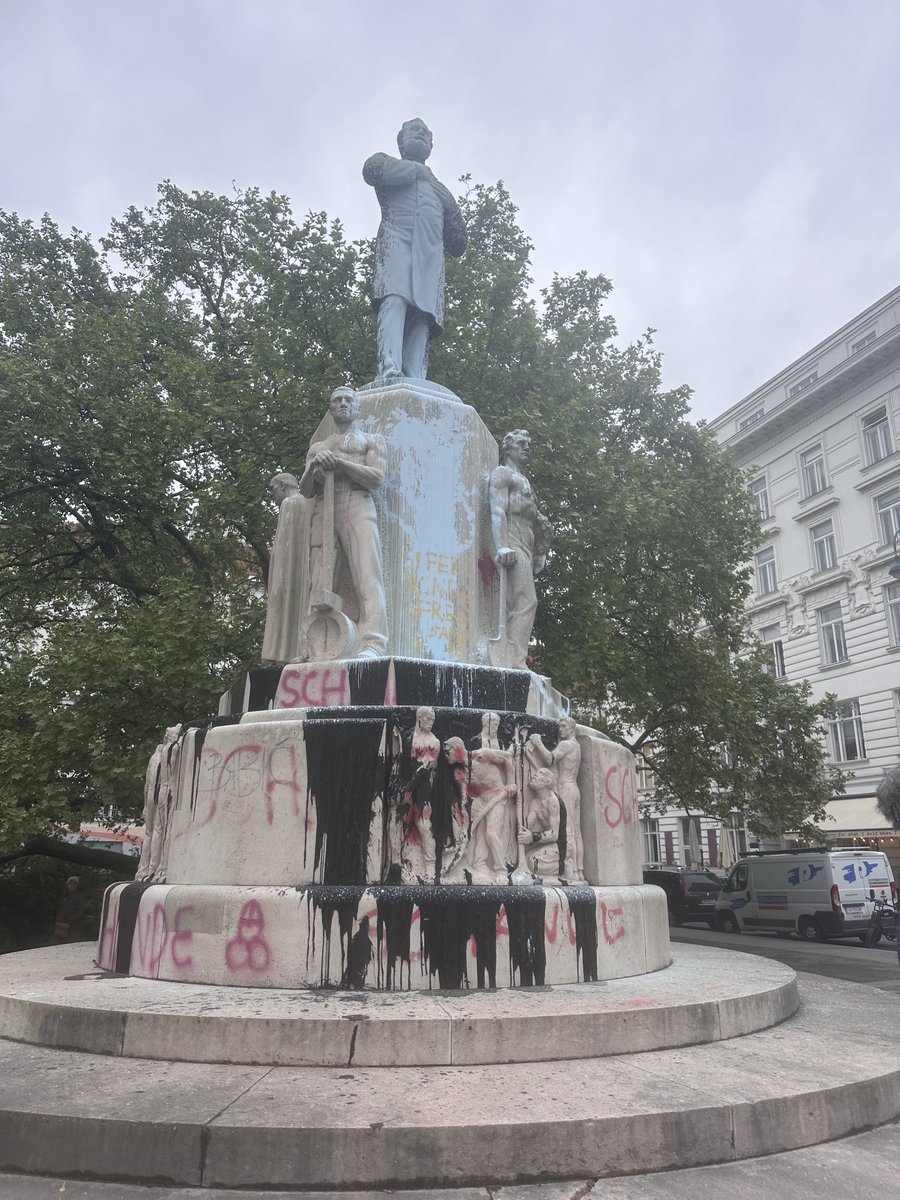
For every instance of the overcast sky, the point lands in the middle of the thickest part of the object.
(732, 165)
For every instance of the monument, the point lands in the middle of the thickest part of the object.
(393, 802)
(392, 799)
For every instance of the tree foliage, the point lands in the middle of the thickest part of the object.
(151, 384)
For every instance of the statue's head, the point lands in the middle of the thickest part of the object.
(425, 718)
(516, 445)
(281, 486)
(344, 405)
(415, 140)
(567, 727)
(543, 779)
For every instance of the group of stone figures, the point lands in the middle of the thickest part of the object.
(487, 814)
(326, 596)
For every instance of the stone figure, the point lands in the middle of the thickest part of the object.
(861, 602)
(798, 622)
(426, 750)
(347, 614)
(490, 850)
(287, 568)
(543, 834)
(522, 540)
(565, 762)
(419, 221)
(159, 783)
(456, 756)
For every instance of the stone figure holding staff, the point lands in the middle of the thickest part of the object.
(347, 615)
(420, 219)
(522, 539)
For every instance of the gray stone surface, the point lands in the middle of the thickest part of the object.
(476, 1125)
(860, 1165)
(53, 997)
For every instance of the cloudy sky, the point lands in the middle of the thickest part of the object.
(732, 165)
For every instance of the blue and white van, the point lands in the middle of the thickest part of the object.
(820, 893)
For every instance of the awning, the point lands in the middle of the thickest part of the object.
(856, 814)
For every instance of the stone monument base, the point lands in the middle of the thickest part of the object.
(383, 938)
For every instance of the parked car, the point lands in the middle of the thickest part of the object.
(819, 893)
(691, 892)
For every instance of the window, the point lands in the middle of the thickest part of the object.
(888, 507)
(802, 384)
(824, 549)
(892, 606)
(847, 744)
(876, 436)
(750, 419)
(855, 347)
(691, 842)
(650, 832)
(831, 628)
(771, 637)
(760, 490)
(738, 829)
(766, 575)
(812, 466)
(646, 777)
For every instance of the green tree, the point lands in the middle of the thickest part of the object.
(151, 384)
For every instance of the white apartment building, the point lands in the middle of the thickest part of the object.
(823, 441)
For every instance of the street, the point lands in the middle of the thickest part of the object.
(846, 959)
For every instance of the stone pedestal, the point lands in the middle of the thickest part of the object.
(434, 520)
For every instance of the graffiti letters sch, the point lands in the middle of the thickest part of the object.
(620, 802)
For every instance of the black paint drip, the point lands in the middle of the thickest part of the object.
(343, 777)
(525, 913)
(394, 934)
(583, 906)
(129, 903)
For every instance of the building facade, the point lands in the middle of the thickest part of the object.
(822, 443)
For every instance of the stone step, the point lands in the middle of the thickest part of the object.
(56, 998)
(830, 1070)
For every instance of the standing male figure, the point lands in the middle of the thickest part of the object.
(356, 461)
(419, 220)
(286, 572)
(522, 538)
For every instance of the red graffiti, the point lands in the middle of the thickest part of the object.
(153, 937)
(248, 950)
(502, 927)
(318, 687)
(109, 935)
(551, 931)
(179, 935)
(487, 569)
(638, 1003)
(621, 792)
(613, 923)
(149, 932)
(570, 920)
(249, 769)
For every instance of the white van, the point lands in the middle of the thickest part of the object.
(821, 893)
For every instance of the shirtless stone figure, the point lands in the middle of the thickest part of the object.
(565, 762)
(522, 540)
(356, 462)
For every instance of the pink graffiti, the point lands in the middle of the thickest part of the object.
(320, 687)
(152, 938)
(248, 950)
(487, 569)
(621, 793)
(613, 923)
(638, 1003)
(249, 769)
(551, 931)
(106, 954)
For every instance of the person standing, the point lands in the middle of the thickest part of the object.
(67, 927)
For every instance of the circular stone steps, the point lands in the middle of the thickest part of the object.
(55, 998)
(820, 1074)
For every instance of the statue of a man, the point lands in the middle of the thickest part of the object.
(287, 570)
(565, 762)
(419, 221)
(543, 834)
(159, 796)
(522, 540)
(341, 473)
